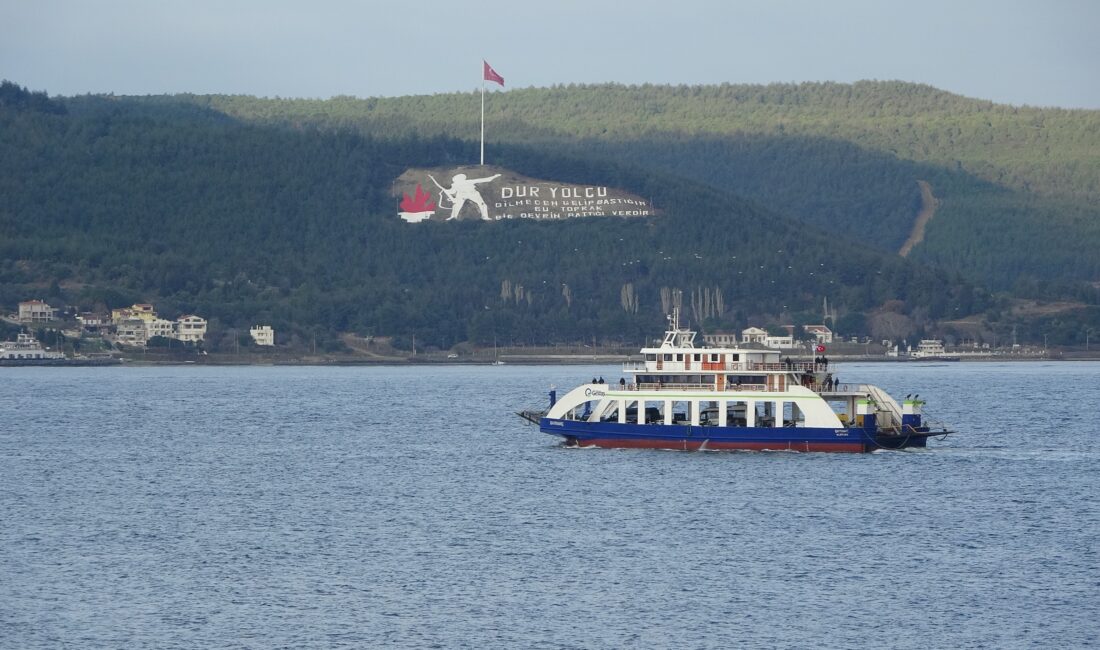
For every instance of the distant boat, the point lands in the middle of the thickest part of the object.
(27, 348)
(27, 351)
(931, 350)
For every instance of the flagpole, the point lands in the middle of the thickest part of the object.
(483, 120)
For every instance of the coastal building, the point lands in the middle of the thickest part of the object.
(35, 311)
(821, 333)
(760, 336)
(720, 339)
(142, 311)
(131, 332)
(780, 342)
(263, 335)
(754, 335)
(191, 328)
(91, 321)
(159, 327)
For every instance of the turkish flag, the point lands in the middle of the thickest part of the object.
(820, 348)
(491, 74)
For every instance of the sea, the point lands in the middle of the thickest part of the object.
(409, 507)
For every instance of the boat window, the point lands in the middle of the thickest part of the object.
(695, 357)
(667, 357)
(651, 357)
(585, 410)
(681, 412)
(679, 357)
(737, 414)
(765, 414)
(708, 415)
(748, 380)
(792, 415)
(651, 410)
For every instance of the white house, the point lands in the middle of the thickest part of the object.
(35, 311)
(191, 328)
(263, 335)
(754, 335)
(722, 339)
(781, 342)
(820, 332)
(159, 327)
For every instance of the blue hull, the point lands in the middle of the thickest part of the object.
(691, 438)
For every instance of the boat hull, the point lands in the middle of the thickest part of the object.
(616, 435)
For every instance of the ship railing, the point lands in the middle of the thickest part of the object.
(716, 366)
(697, 386)
(656, 386)
(820, 387)
(793, 366)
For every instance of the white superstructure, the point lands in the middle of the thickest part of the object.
(677, 383)
(26, 347)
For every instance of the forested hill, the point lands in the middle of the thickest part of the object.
(843, 157)
(115, 201)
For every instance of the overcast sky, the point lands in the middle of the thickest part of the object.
(1040, 52)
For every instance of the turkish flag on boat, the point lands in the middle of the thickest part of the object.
(820, 348)
(491, 74)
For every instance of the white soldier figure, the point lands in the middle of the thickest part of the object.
(465, 189)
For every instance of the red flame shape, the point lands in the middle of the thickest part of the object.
(419, 203)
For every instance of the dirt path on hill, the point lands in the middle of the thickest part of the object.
(928, 205)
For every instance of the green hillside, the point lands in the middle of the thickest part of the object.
(109, 201)
(843, 157)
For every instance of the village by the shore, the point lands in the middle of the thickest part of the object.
(139, 335)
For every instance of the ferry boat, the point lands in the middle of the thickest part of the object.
(26, 348)
(731, 398)
(931, 350)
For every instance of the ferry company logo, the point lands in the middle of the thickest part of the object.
(493, 194)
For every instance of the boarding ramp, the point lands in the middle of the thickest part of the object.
(886, 406)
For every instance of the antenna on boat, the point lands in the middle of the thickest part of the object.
(674, 336)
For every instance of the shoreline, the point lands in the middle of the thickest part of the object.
(505, 360)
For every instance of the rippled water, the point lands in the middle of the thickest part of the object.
(259, 507)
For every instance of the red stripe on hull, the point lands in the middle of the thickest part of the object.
(696, 445)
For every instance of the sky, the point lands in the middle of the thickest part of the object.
(1039, 52)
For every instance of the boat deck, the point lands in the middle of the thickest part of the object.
(839, 391)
